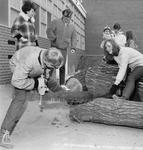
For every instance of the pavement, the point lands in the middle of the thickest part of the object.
(53, 130)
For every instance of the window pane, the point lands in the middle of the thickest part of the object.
(4, 12)
(14, 13)
(37, 19)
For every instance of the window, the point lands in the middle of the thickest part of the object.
(4, 12)
(37, 19)
(14, 13)
(43, 22)
(48, 19)
(16, 4)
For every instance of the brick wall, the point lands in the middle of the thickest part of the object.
(5, 50)
(106, 12)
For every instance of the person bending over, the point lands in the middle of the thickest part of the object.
(27, 66)
(125, 57)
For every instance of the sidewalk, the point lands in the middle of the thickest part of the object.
(52, 130)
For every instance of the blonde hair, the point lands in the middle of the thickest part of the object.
(54, 56)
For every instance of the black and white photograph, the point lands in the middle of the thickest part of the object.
(71, 74)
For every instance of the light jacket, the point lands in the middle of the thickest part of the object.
(25, 66)
(120, 39)
(62, 36)
(127, 57)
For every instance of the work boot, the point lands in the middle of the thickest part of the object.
(5, 139)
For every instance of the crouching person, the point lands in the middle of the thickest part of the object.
(27, 65)
(125, 57)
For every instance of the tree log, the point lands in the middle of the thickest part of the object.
(109, 111)
(100, 77)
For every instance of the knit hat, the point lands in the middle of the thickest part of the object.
(116, 26)
(67, 13)
(106, 28)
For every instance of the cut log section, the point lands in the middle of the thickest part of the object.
(74, 84)
(77, 81)
(100, 77)
(109, 111)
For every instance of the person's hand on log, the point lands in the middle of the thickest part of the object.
(118, 100)
(113, 89)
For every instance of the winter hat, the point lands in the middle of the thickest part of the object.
(106, 28)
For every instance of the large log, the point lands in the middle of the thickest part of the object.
(109, 111)
(100, 77)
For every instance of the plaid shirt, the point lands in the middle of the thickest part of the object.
(23, 26)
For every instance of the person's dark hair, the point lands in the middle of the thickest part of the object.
(67, 13)
(129, 35)
(27, 6)
(116, 26)
(115, 49)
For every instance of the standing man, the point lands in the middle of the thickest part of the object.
(23, 28)
(62, 35)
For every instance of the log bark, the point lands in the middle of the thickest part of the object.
(109, 111)
(100, 77)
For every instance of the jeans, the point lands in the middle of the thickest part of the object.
(135, 75)
(62, 75)
(62, 70)
(15, 110)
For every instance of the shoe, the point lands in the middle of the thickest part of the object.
(5, 140)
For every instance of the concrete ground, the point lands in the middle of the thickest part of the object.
(52, 130)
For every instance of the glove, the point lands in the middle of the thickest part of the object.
(23, 39)
(113, 89)
(42, 88)
(37, 44)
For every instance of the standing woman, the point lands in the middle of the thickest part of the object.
(125, 57)
(119, 36)
(130, 40)
(23, 28)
